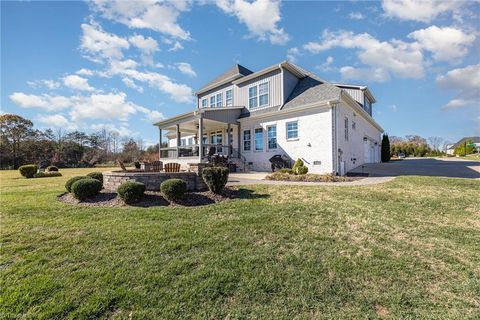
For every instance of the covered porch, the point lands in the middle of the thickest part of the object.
(195, 136)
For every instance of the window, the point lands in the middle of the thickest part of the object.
(247, 140)
(263, 94)
(190, 141)
(252, 97)
(368, 106)
(183, 142)
(204, 103)
(217, 138)
(228, 98)
(292, 130)
(212, 102)
(272, 137)
(258, 139)
(219, 100)
(346, 129)
(354, 125)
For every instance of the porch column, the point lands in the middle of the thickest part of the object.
(200, 138)
(159, 143)
(229, 138)
(239, 140)
(177, 126)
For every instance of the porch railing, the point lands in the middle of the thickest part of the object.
(193, 151)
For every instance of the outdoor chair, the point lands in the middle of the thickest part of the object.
(120, 163)
(172, 167)
(156, 166)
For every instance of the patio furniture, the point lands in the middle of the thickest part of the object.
(172, 167)
(156, 166)
(145, 166)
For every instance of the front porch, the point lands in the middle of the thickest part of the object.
(218, 129)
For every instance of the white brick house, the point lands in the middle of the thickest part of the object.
(282, 109)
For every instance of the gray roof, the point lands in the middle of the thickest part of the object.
(464, 139)
(310, 90)
(233, 71)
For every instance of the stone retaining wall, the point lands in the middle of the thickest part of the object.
(152, 180)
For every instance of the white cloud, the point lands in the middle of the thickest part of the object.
(56, 120)
(186, 68)
(85, 72)
(131, 84)
(261, 18)
(102, 106)
(158, 16)
(419, 10)
(148, 46)
(50, 84)
(292, 54)
(99, 45)
(176, 46)
(45, 101)
(151, 116)
(365, 74)
(393, 107)
(465, 81)
(445, 43)
(356, 16)
(327, 65)
(122, 130)
(77, 83)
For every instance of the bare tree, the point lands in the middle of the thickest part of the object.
(435, 142)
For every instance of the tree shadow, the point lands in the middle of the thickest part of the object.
(244, 193)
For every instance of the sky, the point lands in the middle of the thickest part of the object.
(125, 65)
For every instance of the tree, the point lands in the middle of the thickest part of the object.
(14, 129)
(435, 143)
(467, 147)
(385, 148)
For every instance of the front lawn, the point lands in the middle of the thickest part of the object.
(406, 249)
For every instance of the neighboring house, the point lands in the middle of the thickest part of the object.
(449, 149)
(282, 109)
(475, 140)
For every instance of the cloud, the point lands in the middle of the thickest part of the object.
(85, 72)
(151, 116)
(356, 16)
(465, 81)
(176, 46)
(45, 101)
(393, 107)
(445, 43)
(131, 84)
(326, 66)
(157, 16)
(261, 18)
(56, 120)
(292, 54)
(366, 74)
(77, 83)
(148, 46)
(99, 45)
(186, 68)
(121, 130)
(419, 10)
(50, 84)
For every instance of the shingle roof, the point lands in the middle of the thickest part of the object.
(309, 90)
(462, 141)
(233, 71)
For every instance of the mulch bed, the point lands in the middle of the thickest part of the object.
(152, 199)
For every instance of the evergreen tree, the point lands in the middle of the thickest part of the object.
(385, 148)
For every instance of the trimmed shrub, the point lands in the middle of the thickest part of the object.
(68, 184)
(285, 170)
(96, 175)
(173, 189)
(216, 178)
(47, 174)
(86, 188)
(299, 167)
(28, 170)
(131, 191)
(51, 169)
(302, 170)
(385, 150)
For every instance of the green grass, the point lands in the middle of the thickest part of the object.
(407, 249)
(472, 157)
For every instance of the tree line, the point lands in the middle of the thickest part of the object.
(21, 143)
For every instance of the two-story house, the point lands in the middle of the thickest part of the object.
(283, 109)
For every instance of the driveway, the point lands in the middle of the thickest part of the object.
(436, 167)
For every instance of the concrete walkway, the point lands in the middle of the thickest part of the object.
(250, 178)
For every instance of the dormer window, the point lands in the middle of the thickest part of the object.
(228, 98)
(263, 94)
(252, 97)
(258, 96)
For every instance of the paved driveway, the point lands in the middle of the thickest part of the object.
(438, 167)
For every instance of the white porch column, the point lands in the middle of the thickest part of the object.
(177, 126)
(159, 143)
(200, 138)
(229, 138)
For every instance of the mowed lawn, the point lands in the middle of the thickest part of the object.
(407, 249)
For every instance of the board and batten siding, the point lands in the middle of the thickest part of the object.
(240, 92)
(216, 91)
(356, 94)
(289, 83)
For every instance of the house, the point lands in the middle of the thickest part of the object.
(280, 110)
(475, 141)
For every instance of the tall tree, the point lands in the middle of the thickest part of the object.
(14, 129)
(385, 148)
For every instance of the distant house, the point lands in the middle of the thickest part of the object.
(451, 148)
(280, 110)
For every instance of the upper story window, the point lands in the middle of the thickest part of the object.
(219, 100)
(252, 97)
(346, 129)
(212, 102)
(263, 95)
(190, 141)
(204, 103)
(183, 142)
(272, 137)
(368, 105)
(292, 130)
(229, 98)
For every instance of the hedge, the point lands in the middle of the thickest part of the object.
(173, 189)
(215, 178)
(96, 175)
(28, 170)
(86, 188)
(47, 174)
(131, 191)
(68, 184)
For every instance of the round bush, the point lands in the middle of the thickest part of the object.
(173, 189)
(68, 184)
(86, 188)
(302, 170)
(47, 174)
(28, 170)
(51, 168)
(96, 175)
(131, 191)
(216, 178)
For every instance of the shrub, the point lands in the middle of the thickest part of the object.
(216, 178)
(86, 188)
(385, 149)
(47, 174)
(28, 170)
(51, 168)
(131, 191)
(96, 175)
(299, 167)
(137, 165)
(173, 189)
(68, 184)
(285, 170)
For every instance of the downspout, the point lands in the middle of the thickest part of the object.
(334, 137)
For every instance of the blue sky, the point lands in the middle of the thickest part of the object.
(123, 65)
